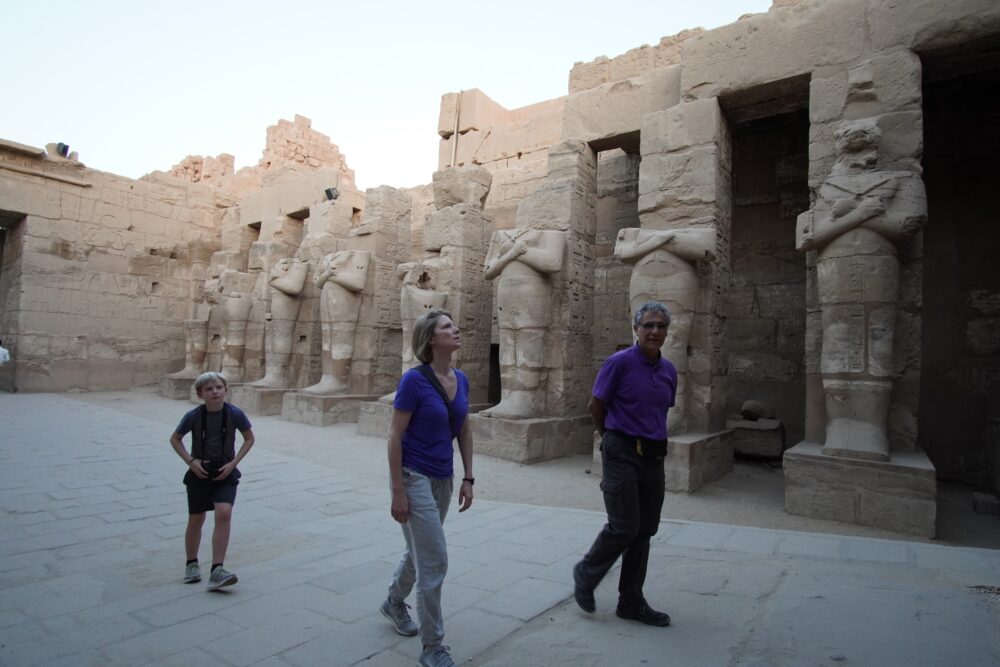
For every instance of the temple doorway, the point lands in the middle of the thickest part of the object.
(959, 417)
(766, 303)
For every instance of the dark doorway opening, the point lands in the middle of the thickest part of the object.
(766, 304)
(959, 419)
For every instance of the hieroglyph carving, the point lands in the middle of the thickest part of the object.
(860, 213)
(523, 260)
(341, 277)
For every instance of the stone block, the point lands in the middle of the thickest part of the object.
(257, 400)
(460, 225)
(780, 44)
(696, 459)
(374, 418)
(762, 437)
(461, 185)
(532, 440)
(899, 495)
(985, 503)
(176, 388)
(922, 24)
(322, 410)
(617, 108)
(683, 126)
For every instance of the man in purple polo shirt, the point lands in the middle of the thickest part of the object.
(631, 396)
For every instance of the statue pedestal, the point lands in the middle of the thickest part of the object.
(531, 440)
(320, 410)
(176, 388)
(693, 460)
(764, 438)
(898, 495)
(696, 459)
(374, 418)
(257, 400)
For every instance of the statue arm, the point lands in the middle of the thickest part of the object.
(815, 231)
(548, 256)
(495, 267)
(403, 269)
(292, 282)
(324, 273)
(352, 279)
(632, 249)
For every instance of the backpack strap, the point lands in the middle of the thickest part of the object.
(428, 372)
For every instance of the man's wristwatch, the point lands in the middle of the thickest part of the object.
(470, 480)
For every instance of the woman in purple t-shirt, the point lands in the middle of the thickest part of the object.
(430, 410)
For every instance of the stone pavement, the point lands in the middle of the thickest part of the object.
(92, 514)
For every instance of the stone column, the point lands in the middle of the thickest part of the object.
(681, 258)
(287, 278)
(545, 272)
(341, 277)
(859, 463)
(861, 212)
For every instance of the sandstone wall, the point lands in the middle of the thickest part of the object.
(512, 144)
(99, 272)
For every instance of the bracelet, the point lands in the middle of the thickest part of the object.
(470, 480)
(189, 460)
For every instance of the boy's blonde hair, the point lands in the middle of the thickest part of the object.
(210, 376)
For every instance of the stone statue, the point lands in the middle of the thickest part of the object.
(288, 277)
(664, 270)
(236, 304)
(524, 260)
(195, 350)
(418, 295)
(859, 215)
(341, 276)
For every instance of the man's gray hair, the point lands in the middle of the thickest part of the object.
(651, 307)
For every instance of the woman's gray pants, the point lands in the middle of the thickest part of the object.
(425, 560)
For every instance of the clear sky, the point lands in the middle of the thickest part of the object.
(137, 85)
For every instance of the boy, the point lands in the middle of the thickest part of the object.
(212, 476)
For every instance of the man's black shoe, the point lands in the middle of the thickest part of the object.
(644, 614)
(584, 596)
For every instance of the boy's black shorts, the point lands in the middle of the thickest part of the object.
(204, 493)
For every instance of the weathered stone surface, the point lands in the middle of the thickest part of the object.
(322, 410)
(696, 459)
(780, 44)
(899, 495)
(468, 185)
(618, 108)
(532, 440)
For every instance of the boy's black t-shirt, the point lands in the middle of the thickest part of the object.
(213, 449)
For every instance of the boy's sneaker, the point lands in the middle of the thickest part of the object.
(399, 617)
(436, 656)
(221, 577)
(192, 573)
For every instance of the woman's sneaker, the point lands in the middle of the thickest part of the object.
(221, 577)
(436, 656)
(192, 573)
(399, 617)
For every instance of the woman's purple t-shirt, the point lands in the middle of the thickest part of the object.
(427, 441)
(637, 393)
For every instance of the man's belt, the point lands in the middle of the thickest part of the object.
(644, 447)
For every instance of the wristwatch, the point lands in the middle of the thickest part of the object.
(470, 480)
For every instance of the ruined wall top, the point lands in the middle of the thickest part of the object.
(634, 62)
(291, 146)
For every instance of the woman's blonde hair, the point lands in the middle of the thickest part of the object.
(423, 331)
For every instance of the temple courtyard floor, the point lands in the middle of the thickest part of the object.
(92, 514)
